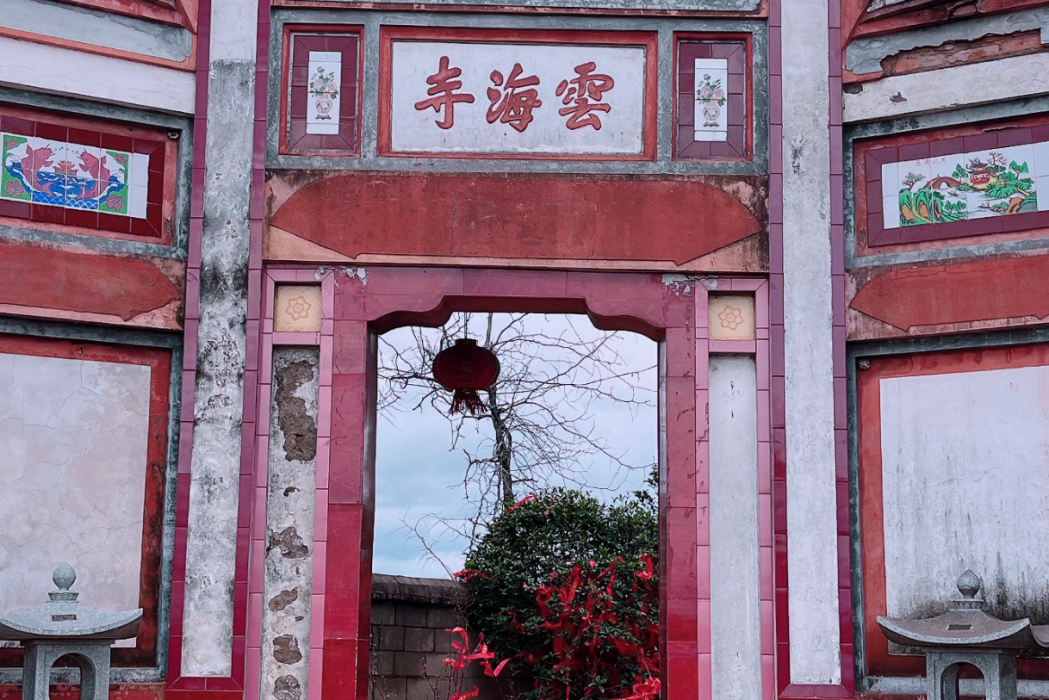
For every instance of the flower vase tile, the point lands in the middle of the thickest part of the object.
(322, 103)
(711, 87)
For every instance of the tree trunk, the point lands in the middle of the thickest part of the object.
(503, 451)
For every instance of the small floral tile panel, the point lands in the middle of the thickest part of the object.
(322, 106)
(73, 176)
(297, 308)
(731, 317)
(711, 88)
(966, 186)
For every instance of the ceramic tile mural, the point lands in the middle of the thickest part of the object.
(966, 186)
(322, 110)
(711, 91)
(73, 176)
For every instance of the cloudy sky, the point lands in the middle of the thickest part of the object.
(419, 475)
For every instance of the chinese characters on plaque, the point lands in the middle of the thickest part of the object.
(512, 98)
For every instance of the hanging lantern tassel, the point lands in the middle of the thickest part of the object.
(464, 369)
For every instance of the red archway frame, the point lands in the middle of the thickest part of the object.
(362, 303)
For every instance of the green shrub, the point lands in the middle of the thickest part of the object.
(567, 586)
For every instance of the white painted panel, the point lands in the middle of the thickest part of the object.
(948, 88)
(617, 81)
(73, 435)
(965, 485)
(812, 551)
(735, 578)
(63, 72)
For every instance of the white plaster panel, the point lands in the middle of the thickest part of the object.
(948, 88)
(965, 486)
(812, 550)
(73, 435)
(735, 578)
(61, 71)
(416, 130)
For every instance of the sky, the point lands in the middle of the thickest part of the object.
(419, 475)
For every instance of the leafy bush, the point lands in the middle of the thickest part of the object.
(567, 586)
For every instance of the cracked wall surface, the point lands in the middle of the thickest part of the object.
(73, 440)
(292, 475)
(207, 642)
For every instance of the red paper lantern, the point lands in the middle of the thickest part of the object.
(466, 368)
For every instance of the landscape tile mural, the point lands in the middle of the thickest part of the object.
(966, 186)
(73, 176)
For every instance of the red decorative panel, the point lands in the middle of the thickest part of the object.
(44, 278)
(324, 76)
(525, 216)
(712, 102)
(159, 362)
(986, 290)
(82, 176)
(178, 12)
(966, 181)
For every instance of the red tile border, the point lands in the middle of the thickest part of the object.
(298, 41)
(737, 48)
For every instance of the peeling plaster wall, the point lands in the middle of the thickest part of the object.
(289, 523)
(218, 401)
(812, 541)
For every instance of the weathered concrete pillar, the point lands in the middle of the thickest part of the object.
(291, 482)
(812, 541)
(218, 400)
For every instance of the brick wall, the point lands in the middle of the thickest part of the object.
(410, 617)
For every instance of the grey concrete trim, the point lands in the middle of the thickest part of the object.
(903, 346)
(934, 91)
(854, 133)
(126, 336)
(88, 26)
(808, 315)
(864, 55)
(218, 399)
(595, 5)
(916, 686)
(174, 124)
(663, 163)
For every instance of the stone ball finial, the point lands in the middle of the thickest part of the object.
(64, 576)
(969, 584)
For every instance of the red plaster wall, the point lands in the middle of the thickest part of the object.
(526, 216)
(62, 280)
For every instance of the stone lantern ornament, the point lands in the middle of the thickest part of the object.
(63, 626)
(966, 635)
(466, 368)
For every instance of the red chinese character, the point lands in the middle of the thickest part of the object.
(442, 93)
(516, 105)
(578, 92)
